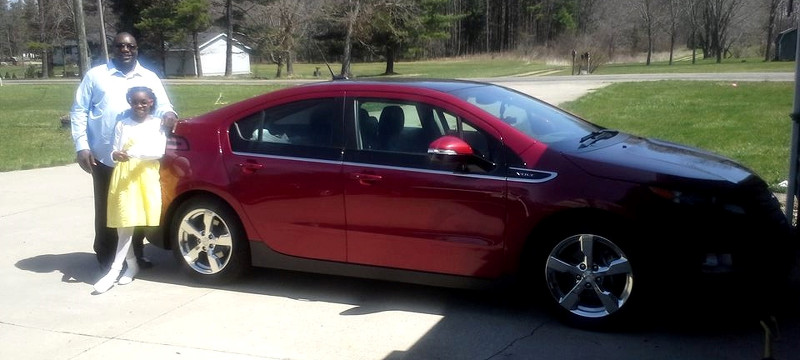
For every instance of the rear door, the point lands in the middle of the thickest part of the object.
(286, 170)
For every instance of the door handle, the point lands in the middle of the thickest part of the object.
(249, 167)
(366, 179)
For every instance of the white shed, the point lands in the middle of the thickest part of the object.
(180, 62)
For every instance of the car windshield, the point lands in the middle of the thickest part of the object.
(533, 117)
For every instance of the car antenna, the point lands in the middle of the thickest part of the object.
(333, 76)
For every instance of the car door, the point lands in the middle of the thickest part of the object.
(285, 168)
(405, 210)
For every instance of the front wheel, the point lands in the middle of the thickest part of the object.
(589, 276)
(208, 240)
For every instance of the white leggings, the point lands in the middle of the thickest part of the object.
(124, 248)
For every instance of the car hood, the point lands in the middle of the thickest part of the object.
(651, 161)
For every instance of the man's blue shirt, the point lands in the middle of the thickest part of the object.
(101, 101)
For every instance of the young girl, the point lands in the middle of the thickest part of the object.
(134, 196)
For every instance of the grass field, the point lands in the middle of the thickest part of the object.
(749, 122)
(489, 66)
(33, 136)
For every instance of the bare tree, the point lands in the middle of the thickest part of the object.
(80, 30)
(675, 11)
(352, 13)
(647, 15)
(229, 34)
(773, 13)
(718, 16)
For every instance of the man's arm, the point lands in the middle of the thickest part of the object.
(164, 108)
(78, 116)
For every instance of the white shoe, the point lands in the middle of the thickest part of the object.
(129, 274)
(106, 282)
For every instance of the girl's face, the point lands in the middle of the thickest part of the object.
(141, 105)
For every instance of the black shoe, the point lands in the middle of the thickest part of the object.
(144, 263)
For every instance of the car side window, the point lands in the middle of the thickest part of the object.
(394, 126)
(290, 128)
(399, 134)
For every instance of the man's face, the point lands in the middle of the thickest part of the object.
(125, 50)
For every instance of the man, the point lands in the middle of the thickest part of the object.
(99, 102)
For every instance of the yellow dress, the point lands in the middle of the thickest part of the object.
(134, 195)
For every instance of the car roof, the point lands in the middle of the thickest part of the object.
(440, 85)
(417, 86)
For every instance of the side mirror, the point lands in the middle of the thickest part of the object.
(451, 149)
(450, 145)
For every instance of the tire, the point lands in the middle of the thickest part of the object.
(208, 241)
(588, 277)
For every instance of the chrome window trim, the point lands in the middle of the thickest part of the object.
(549, 174)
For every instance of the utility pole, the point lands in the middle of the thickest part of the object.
(792, 189)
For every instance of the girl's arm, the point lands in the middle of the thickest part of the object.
(117, 154)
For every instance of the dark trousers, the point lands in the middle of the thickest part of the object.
(105, 238)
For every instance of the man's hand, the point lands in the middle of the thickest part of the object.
(120, 156)
(169, 120)
(86, 160)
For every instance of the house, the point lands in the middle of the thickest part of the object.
(180, 61)
(786, 45)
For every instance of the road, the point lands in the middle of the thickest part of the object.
(47, 271)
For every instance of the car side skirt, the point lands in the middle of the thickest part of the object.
(265, 257)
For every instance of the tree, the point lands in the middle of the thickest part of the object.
(436, 22)
(229, 34)
(194, 17)
(646, 12)
(772, 14)
(718, 15)
(274, 30)
(675, 11)
(395, 25)
(159, 26)
(80, 31)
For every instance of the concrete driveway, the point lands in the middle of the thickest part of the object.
(47, 310)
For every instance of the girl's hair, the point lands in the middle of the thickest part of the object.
(145, 90)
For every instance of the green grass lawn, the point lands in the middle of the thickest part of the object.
(684, 65)
(443, 68)
(749, 122)
(33, 136)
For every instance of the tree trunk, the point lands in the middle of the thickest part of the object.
(391, 53)
(289, 64)
(80, 29)
(348, 40)
(198, 62)
(43, 38)
(229, 33)
(773, 9)
(671, 46)
(102, 30)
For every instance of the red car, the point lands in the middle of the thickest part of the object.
(457, 182)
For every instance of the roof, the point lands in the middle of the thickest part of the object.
(205, 39)
(436, 84)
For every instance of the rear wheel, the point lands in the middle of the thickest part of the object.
(208, 240)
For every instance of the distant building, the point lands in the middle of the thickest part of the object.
(786, 45)
(180, 61)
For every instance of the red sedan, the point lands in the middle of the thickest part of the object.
(457, 182)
